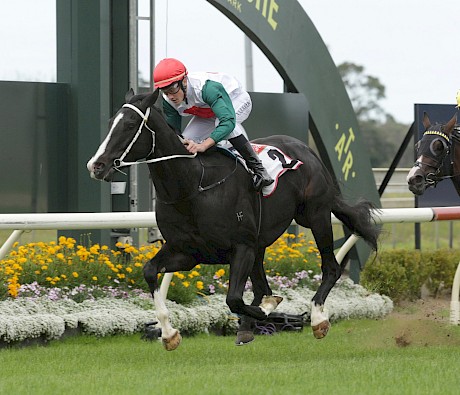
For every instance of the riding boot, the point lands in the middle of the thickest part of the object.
(261, 177)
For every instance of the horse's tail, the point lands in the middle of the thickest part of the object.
(358, 218)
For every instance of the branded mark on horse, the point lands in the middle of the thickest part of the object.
(208, 212)
(437, 153)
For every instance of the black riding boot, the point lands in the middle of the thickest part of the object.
(261, 177)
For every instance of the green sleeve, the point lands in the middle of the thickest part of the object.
(215, 95)
(172, 116)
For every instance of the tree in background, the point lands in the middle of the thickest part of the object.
(382, 134)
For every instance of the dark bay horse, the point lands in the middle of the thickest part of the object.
(208, 211)
(438, 156)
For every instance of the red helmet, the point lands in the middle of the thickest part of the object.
(167, 72)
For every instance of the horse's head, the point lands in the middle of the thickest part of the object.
(129, 137)
(432, 154)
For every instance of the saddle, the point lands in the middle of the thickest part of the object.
(275, 161)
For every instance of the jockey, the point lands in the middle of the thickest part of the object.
(218, 105)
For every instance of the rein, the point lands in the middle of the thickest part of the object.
(120, 163)
(201, 188)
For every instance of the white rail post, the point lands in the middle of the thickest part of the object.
(351, 241)
(454, 303)
(6, 247)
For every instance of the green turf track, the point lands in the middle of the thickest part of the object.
(357, 357)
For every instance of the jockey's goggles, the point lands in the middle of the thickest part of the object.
(171, 89)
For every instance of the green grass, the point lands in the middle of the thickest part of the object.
(357, 357)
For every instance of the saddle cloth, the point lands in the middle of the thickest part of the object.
(275, 161)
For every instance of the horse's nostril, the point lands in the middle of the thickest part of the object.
(98, 167)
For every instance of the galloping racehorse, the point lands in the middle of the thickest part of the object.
(438, 156)
(208, 211)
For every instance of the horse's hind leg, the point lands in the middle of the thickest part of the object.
(322, 232)
(165, 262)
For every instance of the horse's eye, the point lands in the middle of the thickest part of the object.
(131, 125)
(437, 147)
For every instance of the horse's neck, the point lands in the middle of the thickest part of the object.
(174, 178)
(455, 158)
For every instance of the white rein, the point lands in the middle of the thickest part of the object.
(119, 162)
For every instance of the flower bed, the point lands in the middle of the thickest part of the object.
(50, 289)
(41, 317)
(291, 261)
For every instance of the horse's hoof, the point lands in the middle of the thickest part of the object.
(244, 337)
(171, 343)
(271, 302)
(320, 330)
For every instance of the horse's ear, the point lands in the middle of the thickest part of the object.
(129, 95)
(150, 100)
(426, 120)
(450, 125)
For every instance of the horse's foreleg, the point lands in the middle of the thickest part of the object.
(240, 267)
(260, 288)
(170, 336)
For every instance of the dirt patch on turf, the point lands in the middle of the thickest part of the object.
(425, 322)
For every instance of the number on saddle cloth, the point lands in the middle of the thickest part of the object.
(275, 161)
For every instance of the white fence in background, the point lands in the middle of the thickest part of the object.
(66, 221)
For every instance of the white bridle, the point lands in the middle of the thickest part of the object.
(119, 162)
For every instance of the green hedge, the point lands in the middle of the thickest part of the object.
(400, 274)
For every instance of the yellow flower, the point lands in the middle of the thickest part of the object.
(94, 278)
(75, 274)
(179, 275)
(199, 285)
(220, 273)
(186, 284)
(94, 249)
(44, 267)
(129, 269)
